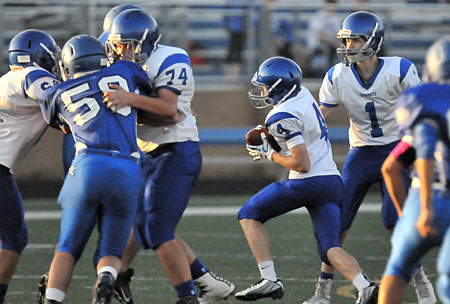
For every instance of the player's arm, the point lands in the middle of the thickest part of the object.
(400, 158)
(163, 107)
(426, 134)
(328, 95)
(298, 160)
(326, 110)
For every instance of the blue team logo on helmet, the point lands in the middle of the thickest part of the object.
(33, 47)
(133, 36)
(366, 27)
(81, 55)
(437, 61)
(277, 79)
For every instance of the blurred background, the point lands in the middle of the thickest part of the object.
(227, 40)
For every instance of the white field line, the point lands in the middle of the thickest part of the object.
(196, 211)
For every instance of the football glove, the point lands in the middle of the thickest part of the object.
(262, 151)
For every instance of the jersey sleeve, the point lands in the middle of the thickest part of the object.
(286, 127)
(328, 94)
(426, 134)
(48, 106)
(174, 73)
(37, 81)
(408, 74)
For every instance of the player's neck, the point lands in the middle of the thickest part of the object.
(367, 68)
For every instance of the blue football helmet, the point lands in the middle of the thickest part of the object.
(112, 13)
(82, 54)
(33, 47)
(103, 37)
(277, 79)
(133, 36)
(116, 10)
(437, 61)
(366, 27)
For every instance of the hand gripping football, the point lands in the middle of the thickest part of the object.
(253, 137)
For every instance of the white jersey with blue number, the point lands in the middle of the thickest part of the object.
(170, 68)
(371, 106)
(21, 119)
(297, 121)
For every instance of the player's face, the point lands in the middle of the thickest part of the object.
(125, 50)
(353, 43)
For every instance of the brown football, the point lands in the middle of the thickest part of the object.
(253, 137)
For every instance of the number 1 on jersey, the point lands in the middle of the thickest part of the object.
(376, 130)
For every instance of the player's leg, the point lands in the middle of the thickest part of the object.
(169, 196)
(68, 154)
(212, 287)
(170, 178)
(326, 223)
(422, 285)
(78, 219)
(407, 248)
(122, 290)
(118, 204)
(357, 182)
(272, 201)
(268, 203)
(13, 230)
(443, 266)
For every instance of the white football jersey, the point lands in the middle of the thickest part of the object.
(371, 107)
(170, 68)
(297, 121)
(21, 119)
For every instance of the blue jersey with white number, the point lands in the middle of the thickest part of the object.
(297, 121)
(80, 104)
(428, 103)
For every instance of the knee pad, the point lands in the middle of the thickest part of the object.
(15, 240)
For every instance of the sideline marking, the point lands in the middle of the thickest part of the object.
(196, 211)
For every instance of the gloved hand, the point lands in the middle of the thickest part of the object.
(262, 151)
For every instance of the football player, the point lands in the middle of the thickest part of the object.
(173, 157)
(423, 112)
(32, 56)
(68, 141)
(368, 86)
(104, 180)
(314, 181)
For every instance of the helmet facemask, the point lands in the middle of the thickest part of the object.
(262, 96)
(127, 49)
(347, 55)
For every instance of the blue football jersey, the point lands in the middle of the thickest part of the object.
(79, 103)
(429, 102)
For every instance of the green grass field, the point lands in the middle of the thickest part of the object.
(220, 243)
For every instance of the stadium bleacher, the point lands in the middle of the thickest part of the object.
(410, 29)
